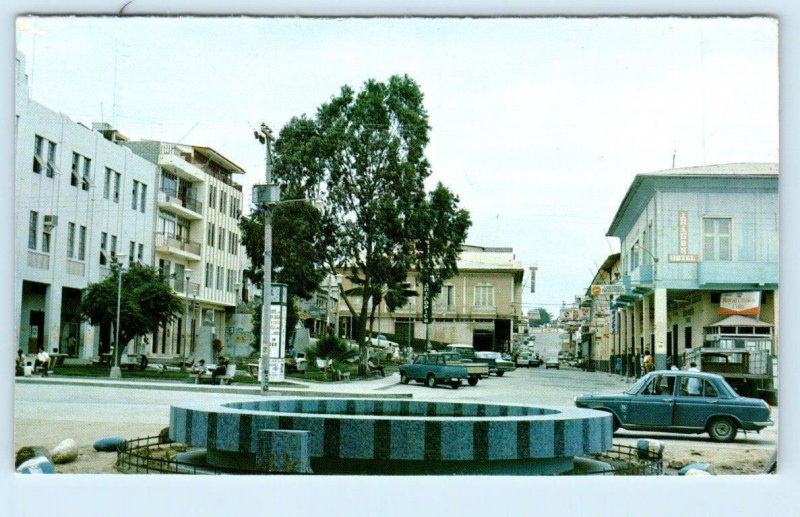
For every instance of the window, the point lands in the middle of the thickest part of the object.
(140, 255)
(232, 240)
(717, 239)
(447, 297)
(221, 242)
(223, 200)
(212, 197)
(76, 161)
(107, 183)
(33, 226)
(211, 234)
(634, 261)
(38, 147)
(117, 180)
(131, 252)
(143, 192)
(220, 278)
(135, 195)
(82, 244)
(209, 275)
(51, 159)
(87, 164)
(113, 247)
(103, 249)
(229, 282)
(70, 240)
(166, 223)
(45, 241)
(484, 296)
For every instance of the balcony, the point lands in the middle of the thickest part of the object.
(172, 160)
(168, 244)
(76, 268)
(484, 310)
(38, 260)
(179, 286)
(187, 208)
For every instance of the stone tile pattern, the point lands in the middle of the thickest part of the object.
(389, 429)
(283, 451)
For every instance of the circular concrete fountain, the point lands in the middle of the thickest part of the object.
(393, 436)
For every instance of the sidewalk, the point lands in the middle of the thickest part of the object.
(356, 388)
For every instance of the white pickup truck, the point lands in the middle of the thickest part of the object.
(474, 370)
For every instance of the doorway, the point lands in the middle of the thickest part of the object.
(36, 336)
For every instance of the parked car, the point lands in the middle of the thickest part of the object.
(474, 370)
(497, 365)
(682, 402)
(524, 359)
(552, 362)
(432, 369)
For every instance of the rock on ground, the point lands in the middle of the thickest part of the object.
(65, 452)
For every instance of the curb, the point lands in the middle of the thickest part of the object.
(303, 390)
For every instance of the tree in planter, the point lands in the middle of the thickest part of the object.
(363, 156)
(333, 351)
(146, 301)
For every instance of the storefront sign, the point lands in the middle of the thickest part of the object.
(277, 334)
(683, 254)
(747, 303)
(570, 314)
(586, 313)
(599, 289)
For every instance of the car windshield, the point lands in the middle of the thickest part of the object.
(637, 386)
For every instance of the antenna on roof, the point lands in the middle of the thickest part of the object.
(674, 151)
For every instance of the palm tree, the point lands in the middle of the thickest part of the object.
(333, 351)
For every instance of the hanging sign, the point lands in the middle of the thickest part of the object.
(683, 254)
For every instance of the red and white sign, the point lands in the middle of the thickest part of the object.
(746, 303)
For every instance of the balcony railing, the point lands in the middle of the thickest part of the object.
(179, 286)
(38, 260)
(191, 204)
(76, 268)
(175, 242)
(202, 165)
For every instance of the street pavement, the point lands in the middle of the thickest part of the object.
(49, 410)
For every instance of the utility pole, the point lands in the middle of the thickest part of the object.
(266, 196)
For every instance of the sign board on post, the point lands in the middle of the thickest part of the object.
(426, 305)
(277, 335)
(683, 254)
(598, 289)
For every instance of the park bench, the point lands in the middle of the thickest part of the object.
(227, 378)
(341, 376)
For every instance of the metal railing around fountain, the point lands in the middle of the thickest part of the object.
(141, 455)
(625, 460)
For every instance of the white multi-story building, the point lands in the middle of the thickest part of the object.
(80, 199)
(196, 238)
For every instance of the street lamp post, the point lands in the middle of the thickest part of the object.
(116, 371)
(267, 196)
(186, 274)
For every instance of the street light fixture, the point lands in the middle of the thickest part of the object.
(186, 275)
(116, 371)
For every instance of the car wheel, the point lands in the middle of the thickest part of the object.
(404, 378)
(722, 429)
(455, 384)
(472, 381)
(500, 374)
(431, 381)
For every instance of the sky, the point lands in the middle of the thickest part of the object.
(539, 125)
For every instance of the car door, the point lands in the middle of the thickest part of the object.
(653, 405)
(697, 399)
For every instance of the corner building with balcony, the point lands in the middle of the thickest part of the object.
(479, 306)
(80, 199)
(196, 242)
(690, 239)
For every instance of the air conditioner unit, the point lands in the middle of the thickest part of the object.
(50, 221)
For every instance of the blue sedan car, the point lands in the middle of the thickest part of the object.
(682, 402)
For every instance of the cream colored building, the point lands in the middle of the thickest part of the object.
(196, 238)
(481, 305)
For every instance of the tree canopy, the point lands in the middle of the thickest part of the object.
(146, 302)
(363, 156)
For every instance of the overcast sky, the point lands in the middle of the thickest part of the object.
(539, 125)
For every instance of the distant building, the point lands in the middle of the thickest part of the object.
(481, 305)
(80, 200)
(697, 245)
(596, 328)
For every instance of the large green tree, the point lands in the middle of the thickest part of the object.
(146, 301)
(363, 155)
(296, 260)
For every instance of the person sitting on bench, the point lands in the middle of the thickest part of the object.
(375, 367)
(199, 368)
(222, 366)
(42, 361)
